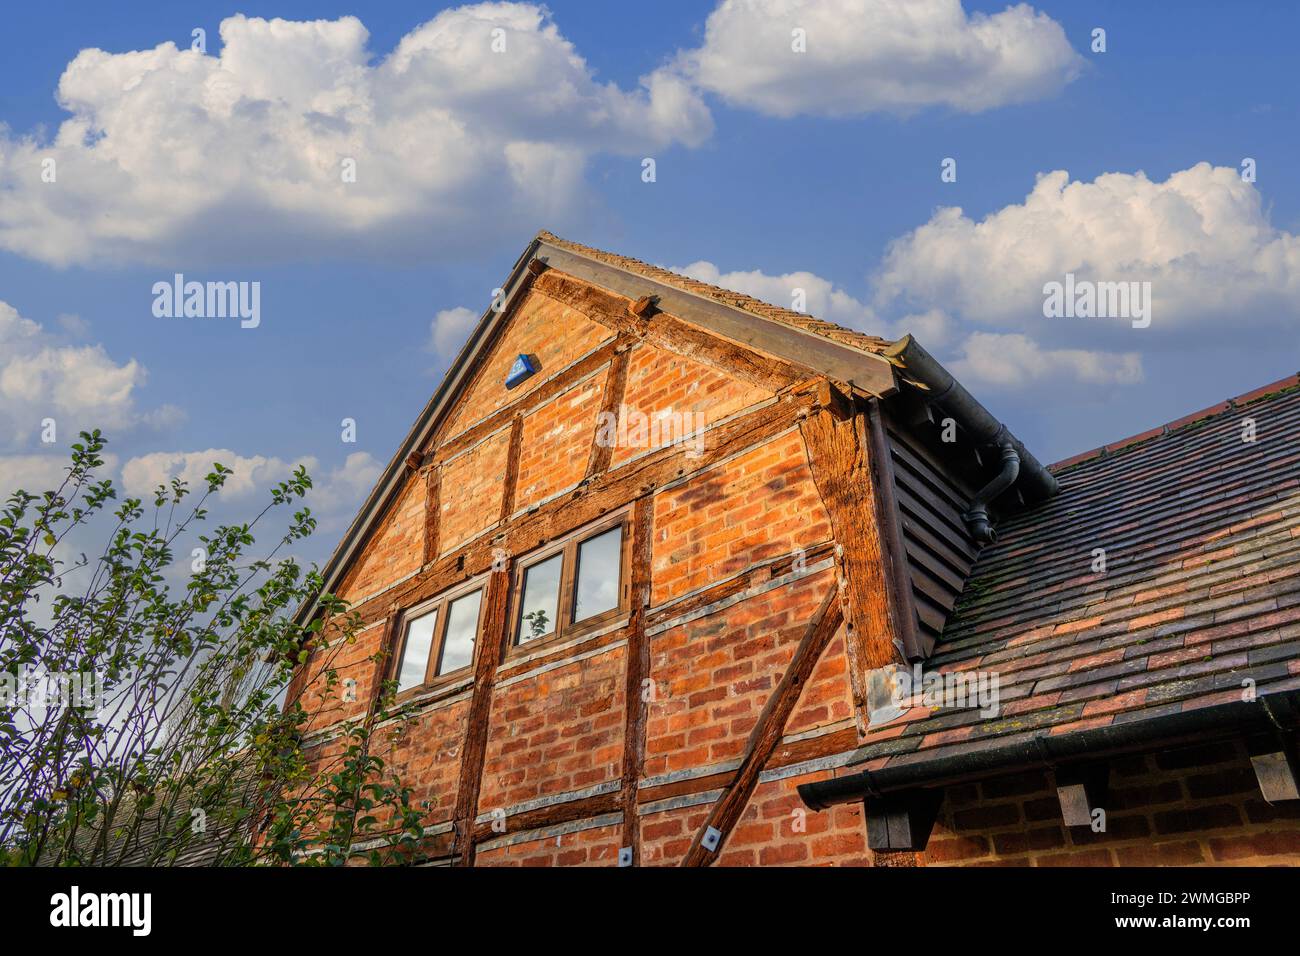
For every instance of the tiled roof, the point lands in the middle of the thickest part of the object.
(798, 320)
(1201, 591)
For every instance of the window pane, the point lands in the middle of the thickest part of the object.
(462, 626)
(541, 595)
(600, 560)
(415, 658)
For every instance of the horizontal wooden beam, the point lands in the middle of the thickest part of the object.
(549, 816)
(558, 384)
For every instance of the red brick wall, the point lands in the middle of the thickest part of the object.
(597, 846)
(425, 754)
(1185, 807)
(328, 704)
(470, 489)
(556, 442)
(713, 675)
(396, 547)
(553, 332)
(757, 506)
(658, 381)
(555, 732)
(1194, 806)
(774, 830)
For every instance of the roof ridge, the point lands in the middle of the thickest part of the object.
(801, 320)
(1227, 405)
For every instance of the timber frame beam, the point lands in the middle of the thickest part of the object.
(872, 373)
(670, 334)
(839, 455)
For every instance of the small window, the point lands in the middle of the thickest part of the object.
(600, 559)
(439, 638)
(415, 658)
(539, 610)
(462, 628)
(578, 583)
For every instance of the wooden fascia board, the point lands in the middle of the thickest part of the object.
(871, 373)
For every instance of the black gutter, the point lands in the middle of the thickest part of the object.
(1275, 712)
(947, 394)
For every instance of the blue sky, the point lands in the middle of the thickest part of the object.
(754, 183)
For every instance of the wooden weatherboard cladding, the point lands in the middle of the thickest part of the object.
(937, 551)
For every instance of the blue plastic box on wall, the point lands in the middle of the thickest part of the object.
(525, 366)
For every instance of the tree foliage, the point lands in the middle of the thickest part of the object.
(195, 751)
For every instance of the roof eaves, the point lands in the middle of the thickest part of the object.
(742, 319)
(1272, 708)
(738, 300)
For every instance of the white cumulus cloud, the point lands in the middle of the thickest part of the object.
(249, 473)
(338, 492)
(171, 151)
(335, 495)
(37, 474)
(1015, 362)
(1012, 362)
(449, 330)
(1202, 238)
(79, 386)
(821, 296)
(865, 56)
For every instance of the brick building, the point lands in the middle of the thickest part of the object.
(670, 576)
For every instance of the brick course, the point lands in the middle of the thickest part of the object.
(470, 491)
(758, 506)
(658, 381)
(554, 733)
(1189, 806)
(396, 547)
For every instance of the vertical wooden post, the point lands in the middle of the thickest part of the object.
(839, 463)
(615, 388)
(889, 520)
(473, 754)
(512, 467)
(432, 512)
(487, 656)
(635, 705)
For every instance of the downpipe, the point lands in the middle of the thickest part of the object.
(977, 515)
